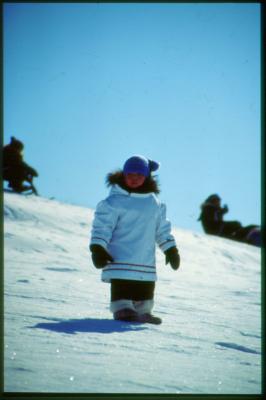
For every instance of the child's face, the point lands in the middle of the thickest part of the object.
(134, 180)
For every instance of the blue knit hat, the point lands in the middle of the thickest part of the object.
(140, 165)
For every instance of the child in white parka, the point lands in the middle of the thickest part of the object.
(126, 227)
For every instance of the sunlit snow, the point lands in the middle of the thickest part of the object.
(60, 335)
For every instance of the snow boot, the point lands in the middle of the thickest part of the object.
(129, 315)
(126, 314)
(149, 319)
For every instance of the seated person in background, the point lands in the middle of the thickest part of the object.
(211, 218)
(15, 170)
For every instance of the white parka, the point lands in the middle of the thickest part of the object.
(128, 225)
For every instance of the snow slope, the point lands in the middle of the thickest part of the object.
(59, 333)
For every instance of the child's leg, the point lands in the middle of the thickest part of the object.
(131, 298)
(143, 306)
(123, 310)
(122, 304)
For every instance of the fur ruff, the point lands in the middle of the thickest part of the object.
(150, 184)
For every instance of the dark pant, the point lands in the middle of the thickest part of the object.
(16, 176)
(229, 228)
(131, 290)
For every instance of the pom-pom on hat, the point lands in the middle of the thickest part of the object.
(140, 165)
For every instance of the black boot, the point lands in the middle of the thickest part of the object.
(126, 314)
(149, 319)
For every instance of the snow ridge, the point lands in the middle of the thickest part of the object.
(58, 324)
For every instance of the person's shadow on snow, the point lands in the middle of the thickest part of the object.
(73, 326)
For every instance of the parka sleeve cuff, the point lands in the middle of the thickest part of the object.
(98, 240)
(167, 244)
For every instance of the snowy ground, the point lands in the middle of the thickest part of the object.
(59, 333)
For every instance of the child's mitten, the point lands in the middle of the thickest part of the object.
(100, 257)
(172, 257)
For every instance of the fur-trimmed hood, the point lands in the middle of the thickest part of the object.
(150, 184)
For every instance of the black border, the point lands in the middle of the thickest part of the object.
(77, 396)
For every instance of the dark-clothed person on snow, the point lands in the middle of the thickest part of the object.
(15, 169)
(211, 217)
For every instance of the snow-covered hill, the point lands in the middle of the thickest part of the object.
(59, 333)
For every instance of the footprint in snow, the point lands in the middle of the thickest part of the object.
(238, 347)
(64, 269)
